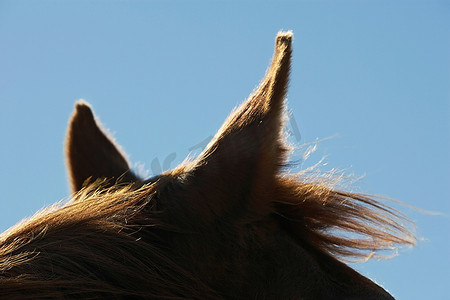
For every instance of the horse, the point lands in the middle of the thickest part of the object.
(233, 223)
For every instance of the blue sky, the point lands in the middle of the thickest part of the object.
(163, 75)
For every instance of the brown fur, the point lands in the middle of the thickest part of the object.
(229, 225)
(105, 160)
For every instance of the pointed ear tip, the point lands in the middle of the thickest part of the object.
(82, 104)
(83, 108)
(284, 37)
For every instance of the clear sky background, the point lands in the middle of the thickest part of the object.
(163, 75)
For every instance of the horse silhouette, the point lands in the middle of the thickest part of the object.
(232, 223)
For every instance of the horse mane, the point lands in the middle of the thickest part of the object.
(349, 226)
(100, 223)
(104, 222)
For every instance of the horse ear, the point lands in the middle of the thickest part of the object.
(246, 153)
(91, 154)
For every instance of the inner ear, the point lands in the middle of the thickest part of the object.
(91, 154)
